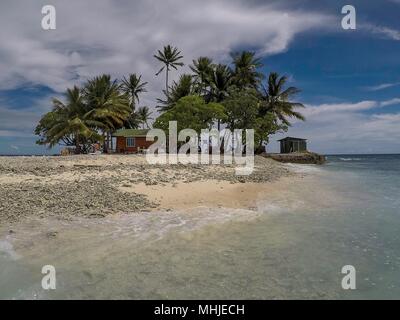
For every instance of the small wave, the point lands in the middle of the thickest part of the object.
(7, 248)
(149, 227)
(303, 168)
(350, 159)
(271, 208)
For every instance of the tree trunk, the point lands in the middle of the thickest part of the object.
(111, 142)
(233, 136)
(77, 146)
(133, 104)
(166, 81)
(105, 147)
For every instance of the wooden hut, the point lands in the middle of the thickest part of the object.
(290, 144)
(131, 140)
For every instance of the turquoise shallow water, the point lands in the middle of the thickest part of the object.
(293, 246)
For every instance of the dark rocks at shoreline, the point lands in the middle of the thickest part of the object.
(301, 157)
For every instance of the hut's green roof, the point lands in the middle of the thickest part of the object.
(130, 133)
(292, 138)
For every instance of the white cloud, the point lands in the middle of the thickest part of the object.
(341, 107)
(347, 128)
(382, 86)
(120, 38)
(390, 102)
(386, 32)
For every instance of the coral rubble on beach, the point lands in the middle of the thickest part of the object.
(93, 186)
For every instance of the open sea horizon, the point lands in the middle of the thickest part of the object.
(326, 154)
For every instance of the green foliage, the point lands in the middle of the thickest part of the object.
(133, 121)
(241, 108)
(144, 115)
(170, 57)
(184, 87)
(203, 69)
(106, 103)
(68, 123)
(275, 100)
(191, 112)
(265, 126)
(133, 86)
(214, 93)
(86, 116)
(220, 82)
(245, 73)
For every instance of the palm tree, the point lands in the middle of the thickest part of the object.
(69, 122)
(133, 121)
(275, 100)
(184, 87)
(245, 74)
(133, 87)
(144, 115)
(203, 69)
(170, 57)
(107, 104)
(220, 82)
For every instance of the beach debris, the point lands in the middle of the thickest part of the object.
(51, 234)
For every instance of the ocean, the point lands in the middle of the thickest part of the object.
(293, 246)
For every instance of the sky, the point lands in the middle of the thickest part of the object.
(349, 79)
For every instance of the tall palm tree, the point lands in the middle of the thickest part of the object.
(275, 100)
(144, 115)
(220, 82)
(107, 104)
(245, 74)
(184, 87)
(133, 86)
(203, 69)
(170, 57)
